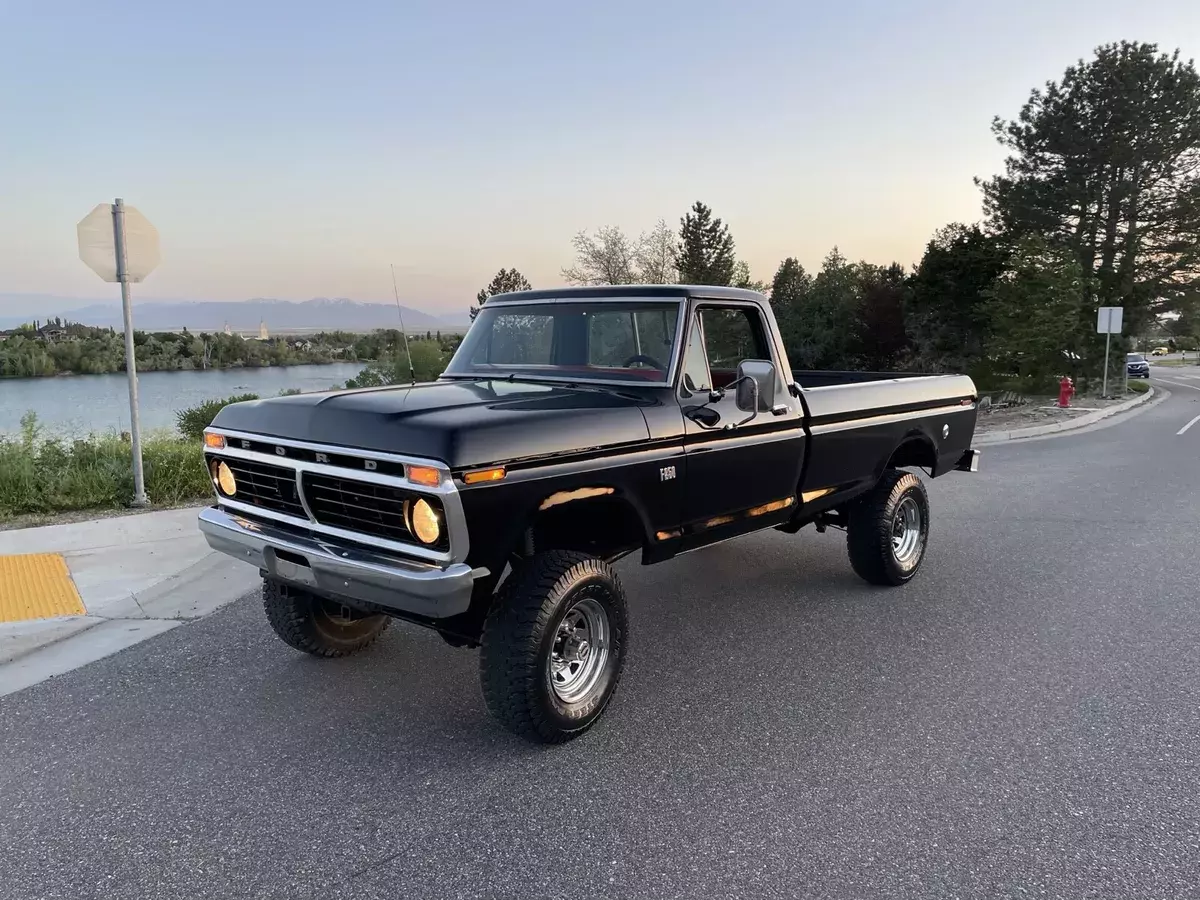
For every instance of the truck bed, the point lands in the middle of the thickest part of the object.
(856, 419)
(817, 378)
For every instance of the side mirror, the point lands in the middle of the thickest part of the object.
(755, 386)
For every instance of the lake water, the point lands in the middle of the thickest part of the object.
(76, 405)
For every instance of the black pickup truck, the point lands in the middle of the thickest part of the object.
(571, 428)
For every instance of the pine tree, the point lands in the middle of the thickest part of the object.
(705, 248)
(1040, 315)
(505, 281)
(824, 333)
(789, 289)
(1106, 163)
(946, 309)
(880, 327)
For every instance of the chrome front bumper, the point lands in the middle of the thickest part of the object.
(348, 572)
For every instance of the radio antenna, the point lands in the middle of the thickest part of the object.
(412, 373)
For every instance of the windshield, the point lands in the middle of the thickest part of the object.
(604, 340)
(1136, 357)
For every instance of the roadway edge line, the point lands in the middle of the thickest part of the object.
(1184, 429)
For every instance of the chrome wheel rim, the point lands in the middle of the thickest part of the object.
(907, 540)
(580, 652)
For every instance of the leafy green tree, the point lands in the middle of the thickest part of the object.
(789, 291)
(607, 257)
(1040, 315)
(93, 351)
(504, 282)
(611, 257)
(1187, 323)
(879, 325)
(947, 313)
(741, 278)
(654, 255)
(705, 254)
(1106, 162)
(428, 362)
(822, 325)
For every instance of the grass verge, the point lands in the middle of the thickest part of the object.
(47, 475)
(42, 476)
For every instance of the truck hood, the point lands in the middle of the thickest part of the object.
(462, 423)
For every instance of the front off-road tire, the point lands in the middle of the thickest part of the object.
(316, 625)
(888, 530)
(554, 646)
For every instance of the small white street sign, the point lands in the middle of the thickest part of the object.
(1109, 319)
(1108, 323)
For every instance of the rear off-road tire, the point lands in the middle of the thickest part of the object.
(888, 530)
(554, 646)
(318, 626)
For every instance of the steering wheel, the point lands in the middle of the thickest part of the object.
(642, 358)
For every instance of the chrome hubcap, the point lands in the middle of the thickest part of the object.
(907, 540)
(580, 651)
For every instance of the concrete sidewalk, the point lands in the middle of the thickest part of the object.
(125, 579)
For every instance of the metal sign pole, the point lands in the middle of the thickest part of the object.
(1107, 341)
(135, 428)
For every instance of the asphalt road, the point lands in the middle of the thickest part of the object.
(1020, 721)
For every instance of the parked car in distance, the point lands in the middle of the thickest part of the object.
(572, 427)
(1137, 366)
(1159, 351)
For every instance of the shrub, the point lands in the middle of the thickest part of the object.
(428, 362)
(193, 421)
(97, 473)
(175, 471)
(46, 475)
(1139, 387)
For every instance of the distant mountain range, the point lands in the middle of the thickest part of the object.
(318, 314)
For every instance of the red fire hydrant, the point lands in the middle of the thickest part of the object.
(1066, 388)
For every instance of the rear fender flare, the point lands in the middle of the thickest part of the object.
(916, 448)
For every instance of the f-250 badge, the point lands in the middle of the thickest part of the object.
(666, 473)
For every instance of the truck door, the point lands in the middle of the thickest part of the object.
(743, 477)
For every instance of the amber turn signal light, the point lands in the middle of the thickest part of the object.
(426, 475)
(482, 475)
(214, 441)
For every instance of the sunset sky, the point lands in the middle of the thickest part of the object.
(295, 149)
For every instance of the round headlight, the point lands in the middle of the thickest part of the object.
(424, 522)
(223, 479)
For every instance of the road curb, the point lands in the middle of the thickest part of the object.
(166, 576)
(1000, 437)
(104, 638)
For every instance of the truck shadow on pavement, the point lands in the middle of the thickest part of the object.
(712, 633)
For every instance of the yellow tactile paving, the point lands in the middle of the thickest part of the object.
(37, 586)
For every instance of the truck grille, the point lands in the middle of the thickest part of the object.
(267, 486)
(373, 509)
